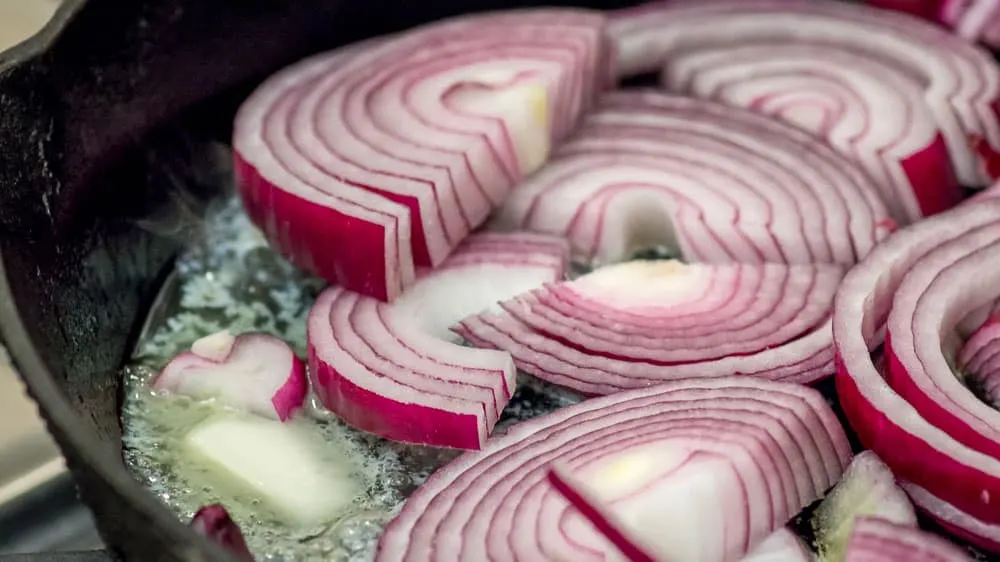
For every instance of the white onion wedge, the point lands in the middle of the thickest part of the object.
(255, 372)
(878, 540)
(364, 163)
(867, 489)
(499, 502)
(711, 183)
(961, 82)
(639, 323)
(912, 445)
(396, 371)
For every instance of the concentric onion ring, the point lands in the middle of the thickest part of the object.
(912, 445)
(389, 369)
(713, 183)
(498, 504)
(639, 323)
(866, 109)
(874, 539)
(363, 163)
(961, 82)
(945, 286)
(979, 360)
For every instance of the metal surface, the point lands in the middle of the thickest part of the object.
(39, 510)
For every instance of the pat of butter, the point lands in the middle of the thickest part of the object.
(282, 464)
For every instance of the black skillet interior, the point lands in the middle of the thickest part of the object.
(106, 117)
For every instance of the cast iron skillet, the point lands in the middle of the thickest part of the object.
(104, 118)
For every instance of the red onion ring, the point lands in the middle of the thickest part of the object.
(498, 504)
(979, 359)
(866, 109)
(961, 81)
(362, 164)
(715, 184)
(877, 540)
(389, 369)
(639, 323)
(913, 445)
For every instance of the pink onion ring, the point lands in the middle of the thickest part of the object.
(362, 164)
(639, 323)
(498, 504)
(391, 370)
(878, 540)
(911, 444)
(866, 109)
(961, 82)
(714, 184)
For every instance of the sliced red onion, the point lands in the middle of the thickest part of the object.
(954, 520)
(979, 359)
(499, 504)
(946, 285)
(878, 540)
(975, 20)
(361, 164)
(255, 372)
(960, 82)
(709, 182)
(639, 323)
(863, 107)
(868, 489)
(912, 445)
(396, 371)
(214, 523)
(782, 546)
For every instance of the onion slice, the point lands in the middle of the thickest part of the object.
(979, 360)
(910, 444)
(954, 520)
(868, 489)
(710, 183)
(866, 109)
(960, 82)
(946, 285)
(638, 323)
(879, 540)
(255, 372)
(364, 163)
(396, 371)
(214, 523)
(499, 502)
(782, 546)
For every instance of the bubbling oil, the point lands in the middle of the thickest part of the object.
(228, 278)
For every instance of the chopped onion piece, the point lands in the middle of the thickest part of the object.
(913, 446)
(878, 540)
(639, 323)
(364, 163)
(214, 523)
(868, 488)
(396, 371)
(708, 182)
(960, 82)
(255, 372)
(785, 445)
(281, 464)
